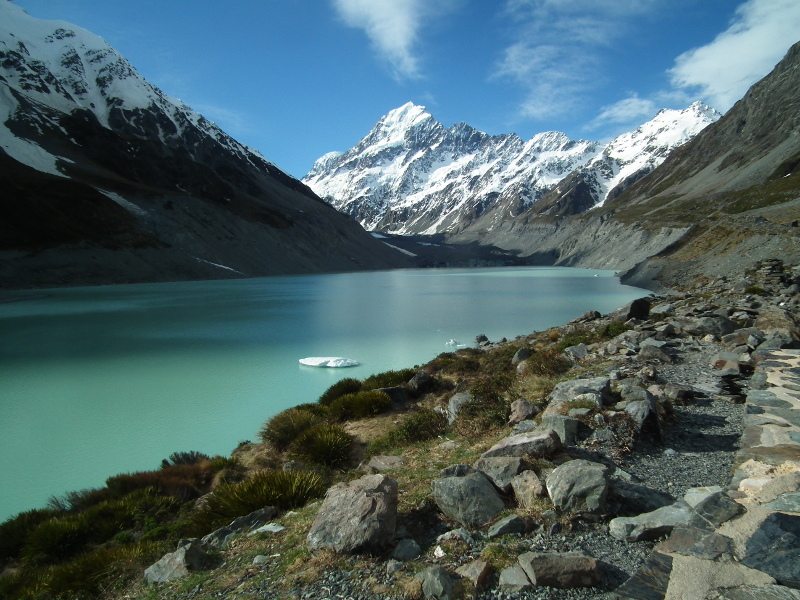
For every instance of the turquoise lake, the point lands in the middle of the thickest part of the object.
(104, 380)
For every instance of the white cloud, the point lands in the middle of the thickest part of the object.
(393, 28)
(627, 110)
(555, 57)
(757, 38)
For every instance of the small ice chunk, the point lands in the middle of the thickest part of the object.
(328, 361)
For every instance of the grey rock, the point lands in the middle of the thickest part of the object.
(568, 390)
(644, 414)
(193, 556)
(421, 382)
(436, 583)
(718, 508)
(635, 499)
(521, 410)
(357, 517)
(457, 471)
(406, 549)
(565, 427)
(700, 543)
(454, 535)
(579, 486)
(700, 326)
(454, 405)
(774, 548)
(501, 470)
(525, 426)
(527, 488)
(520, 355)
(510, 524)
(224, 535)
(651, 352)
(534, 443)
(576, 353)
(788, 502)
(379, 464)
(470, 500)
(393, 566)
(513, 580)
(268, 528)
(651, 525)
(398, 394)
(561, 570)
(649, 582)
(260, 559)
(476, 572)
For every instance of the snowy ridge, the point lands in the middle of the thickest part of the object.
(410, 174)
(64, 68)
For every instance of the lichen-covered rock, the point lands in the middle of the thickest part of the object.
(193, 556)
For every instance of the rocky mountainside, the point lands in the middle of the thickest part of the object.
(410, 174)
(107, 179)
(723, 200)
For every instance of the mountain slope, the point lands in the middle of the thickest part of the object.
(723, 200)
(115, 181)
(410, 174)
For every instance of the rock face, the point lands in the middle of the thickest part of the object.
(109, 180)
(357, 517)
(470, 499)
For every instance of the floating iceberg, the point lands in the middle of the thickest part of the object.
(329, 361)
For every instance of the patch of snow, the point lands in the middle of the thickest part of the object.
(130, 206)
(400, 249)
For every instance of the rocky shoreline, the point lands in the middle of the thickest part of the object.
(692, 432)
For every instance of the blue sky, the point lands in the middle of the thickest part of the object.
(296, 79)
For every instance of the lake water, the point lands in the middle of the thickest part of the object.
(104, 380)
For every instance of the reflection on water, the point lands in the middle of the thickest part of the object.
(97, 381)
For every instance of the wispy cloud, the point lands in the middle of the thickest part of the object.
(393, 28)
(555, 57)
(757, 38)
(627, 110)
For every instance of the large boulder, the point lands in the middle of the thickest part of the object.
(454, 405)
(193, 556)
(565, 427)
(357, 517)
(470, 499)
(534, 443)
(521, 410)
(579, 486)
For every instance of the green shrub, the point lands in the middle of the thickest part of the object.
(547, 363)
(282, 429)
(360, 405)
(463, 362)
(14, 532)
(388, 379)
(57, 539)
(347, 385)
(320, 410)
(282, 489)
(324, 444)
(184, 458)
(183, 482)
(488, 409)
(421, 425)
(80, 500)
(757, 290)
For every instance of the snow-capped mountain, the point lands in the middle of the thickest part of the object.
(97, 155)
(410, 174)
